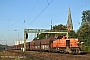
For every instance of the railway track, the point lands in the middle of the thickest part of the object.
(35, 55)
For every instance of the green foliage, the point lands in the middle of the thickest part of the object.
(72, 34)
(84, 33)
(84, 30)
(88, 48)
(40, 36)
(82, 46)
(35, 39)
(85, 48)
(57, 28)
(86, 16)
(17, 59)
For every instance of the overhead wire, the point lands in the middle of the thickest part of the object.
(47, 2)
(31, 11)
(41, 12)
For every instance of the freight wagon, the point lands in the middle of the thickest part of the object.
(32, 45)
(27, 45)
(37, 45)
(46, 44)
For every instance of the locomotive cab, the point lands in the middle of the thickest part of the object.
(72, 46)
(64, 45)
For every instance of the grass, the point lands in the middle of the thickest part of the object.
(85, 48)
(17, 59)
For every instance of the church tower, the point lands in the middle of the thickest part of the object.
(69, 24)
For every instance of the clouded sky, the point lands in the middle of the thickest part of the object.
(15, 15)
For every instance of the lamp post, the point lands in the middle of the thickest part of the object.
(18, 33)
(17, 36)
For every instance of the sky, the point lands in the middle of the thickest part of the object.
(16, 15)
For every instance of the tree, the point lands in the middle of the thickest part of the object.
(63, 28)
(40, 36)
(72, 34)
(84, 36)
(86, 17)
(84, 30)
(58, 28)
(84, 33)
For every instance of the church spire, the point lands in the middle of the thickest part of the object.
(69, 22)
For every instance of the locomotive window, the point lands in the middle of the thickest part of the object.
(68, 43)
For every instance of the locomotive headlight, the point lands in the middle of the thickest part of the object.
(82, 42)
(76, 39)
(58, 48)
(77, 42)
